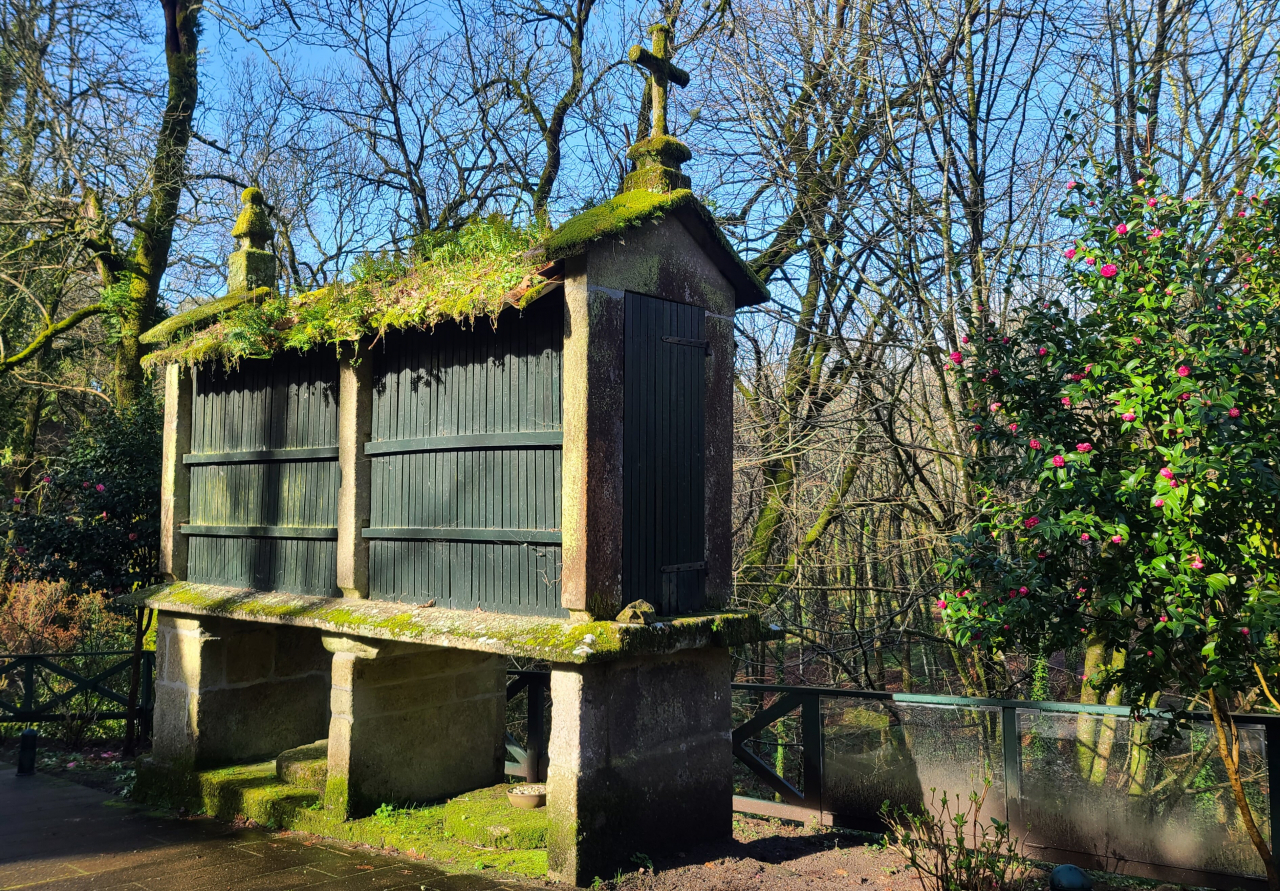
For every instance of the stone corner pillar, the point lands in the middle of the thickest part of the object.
(230, 691)
(355, 428)
(175, 477)
(641, 760)
(591, 515)
(411, 724)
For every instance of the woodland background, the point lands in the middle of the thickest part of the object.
(887, 166)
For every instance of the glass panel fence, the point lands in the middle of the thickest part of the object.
(908, 755)
(1112, 788)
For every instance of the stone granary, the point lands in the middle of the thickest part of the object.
(376, 493)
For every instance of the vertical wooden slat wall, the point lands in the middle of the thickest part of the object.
(663, 455)
(264, 481)
(465, 475)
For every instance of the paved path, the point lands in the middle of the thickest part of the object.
(58, 836)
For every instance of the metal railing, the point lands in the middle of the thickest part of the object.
(40, 687)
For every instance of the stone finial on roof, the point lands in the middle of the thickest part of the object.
(658, 157)
(252, 266)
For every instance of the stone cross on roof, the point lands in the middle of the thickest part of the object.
(659, 64)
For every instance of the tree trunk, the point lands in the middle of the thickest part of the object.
(1229, 750)
(1107, 731)
(138, 274)
(1086, 726)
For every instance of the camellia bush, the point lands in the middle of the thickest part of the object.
(1128, 443)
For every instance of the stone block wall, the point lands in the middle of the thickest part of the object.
(230, 691)
(641, 760)
(412, 724)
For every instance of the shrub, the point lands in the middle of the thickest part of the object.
(45, 617)
(953, 850)
(93, 521)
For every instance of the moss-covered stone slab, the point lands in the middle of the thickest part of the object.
(554, 640)
(306, 766)
(486, 818)
(254, 792)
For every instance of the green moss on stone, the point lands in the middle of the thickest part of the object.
(487, 819)
(192, 317)
(306, 766)
(252, 791)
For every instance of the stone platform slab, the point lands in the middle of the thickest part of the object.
(555, 640)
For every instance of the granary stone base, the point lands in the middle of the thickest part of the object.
(641, 760)
(230, 691)
(411, 724)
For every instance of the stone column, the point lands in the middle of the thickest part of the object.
(229, 691)
(641, 760)
(355, 428)
(175, 477)
(411, 724)
(591, 469)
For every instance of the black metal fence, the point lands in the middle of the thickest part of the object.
(86, 686)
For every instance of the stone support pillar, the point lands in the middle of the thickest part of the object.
(641, 760)
(591, 470)
(411, 724)
(230, 691)
(355, 427)
(175, 478)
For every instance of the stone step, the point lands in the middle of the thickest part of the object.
(306, 766)
(486, 818)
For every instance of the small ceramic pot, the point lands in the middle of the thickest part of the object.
(529, 796)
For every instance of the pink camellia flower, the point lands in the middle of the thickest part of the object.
(84, 485)
(1043, 351)
(964, 339)
(1166, 472)
(1151, 202)
(1183, 371)
(1159, 502)
(1023, 590)
(957, 358)
(47, 479)
(1084, 447)
(942, 604)
(100, 487)
(1184, 397)
(1089, 261)
(1108, 270)
(133, 536)
(995, 406)
(1077, 377)
(1164, 618)
(1013, 428)
(1173, 484)
(1196, 563)
(1155, 233)
(1059, 461)
(1117, 539)
(21, 550)
(1234, 412)
(1129, 416)
(1066, 400)
(1138, 341)
(1244, 631)
(1031, 522)
(1035, 443)
(1071, 184)
(1122, 229)
(1069, 253)
(17, 499)
(1084, 536)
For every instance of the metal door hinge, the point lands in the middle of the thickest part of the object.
(704, 345)
(684, 567)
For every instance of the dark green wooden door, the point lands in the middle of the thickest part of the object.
(465, 476)
(264, 475)
(663, 525)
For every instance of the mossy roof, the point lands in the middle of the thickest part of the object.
(488, 267)
(631, 209)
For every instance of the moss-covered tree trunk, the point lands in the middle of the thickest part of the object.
(1095, 651)
(136, 275)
